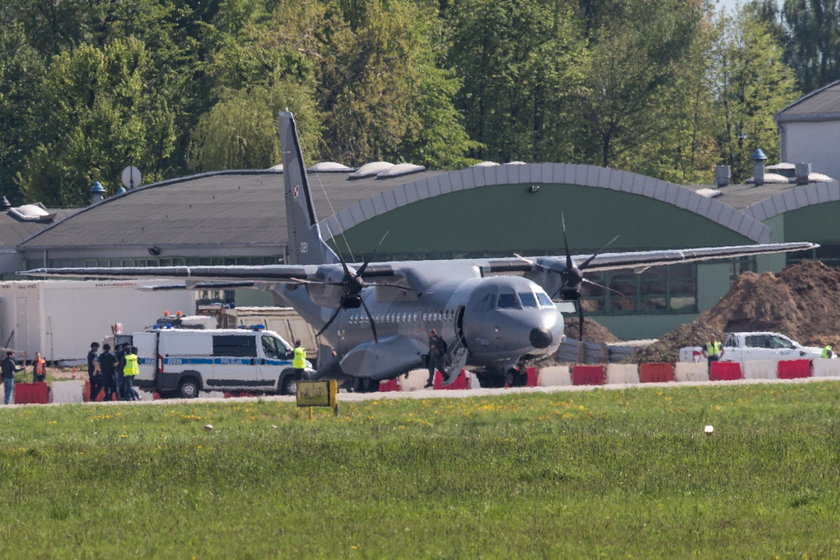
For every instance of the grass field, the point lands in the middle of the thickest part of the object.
(600, 474)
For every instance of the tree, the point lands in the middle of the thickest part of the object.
(752, 83)
(95, 114)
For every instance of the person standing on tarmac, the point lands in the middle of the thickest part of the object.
(437, 355)
(828, 351)
(120, 352)
(132, 368)
(299, 360)
(94, 376)
(108, 369)
(8, 369)
(713, 350)
(39, 369)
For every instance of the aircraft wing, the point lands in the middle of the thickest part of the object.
(222, 274)
(646, 259)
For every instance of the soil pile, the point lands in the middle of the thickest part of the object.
(593, 331)
(802, 302)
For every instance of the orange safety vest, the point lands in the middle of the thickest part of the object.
(40, 366)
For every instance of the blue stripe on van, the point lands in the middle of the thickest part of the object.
(215, 361)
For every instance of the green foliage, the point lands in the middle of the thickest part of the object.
(752, 84)
(626, 473)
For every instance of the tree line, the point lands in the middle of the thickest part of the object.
(667, 88)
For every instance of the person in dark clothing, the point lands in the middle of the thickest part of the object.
(8, 369)
(119, 352)
(437, 355)
(94, 376)
(108, 369)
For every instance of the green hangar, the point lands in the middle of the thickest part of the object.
(238, 217)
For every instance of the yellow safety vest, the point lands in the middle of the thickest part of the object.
(826, 353)
(299, 360)
(713, 349)
(131, 365)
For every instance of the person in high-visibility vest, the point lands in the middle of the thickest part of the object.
(132, 368)
(39, 368)
(827, 352)
(713, 350)
(299, 359)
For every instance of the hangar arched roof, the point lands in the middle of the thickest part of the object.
(546, 173)
(794, 199)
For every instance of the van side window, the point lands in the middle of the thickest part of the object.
(272, 347)
(234, 345)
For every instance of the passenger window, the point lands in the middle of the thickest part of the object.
(273, 348)
(527, 299)
(507, 300)
(235, 345)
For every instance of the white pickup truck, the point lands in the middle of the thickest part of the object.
(748, 346)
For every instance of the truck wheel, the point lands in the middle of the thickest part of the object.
(189, 388)
(288, 386)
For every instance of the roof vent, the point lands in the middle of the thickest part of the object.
(485, 164)
(371, 169)
(36, 212)
(329, 167)
(723, 174)
(399, 170)
(4, 203)
(97, 193)
(803, 170)
(759, 158)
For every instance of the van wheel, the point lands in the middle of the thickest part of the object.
(189, 388)
(289, 385)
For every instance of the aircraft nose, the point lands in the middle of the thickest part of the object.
(540, 338)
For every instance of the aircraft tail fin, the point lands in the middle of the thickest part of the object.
(306, 246)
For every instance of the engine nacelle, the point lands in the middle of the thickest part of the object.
(329, 287)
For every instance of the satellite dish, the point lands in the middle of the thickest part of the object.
(130, 177)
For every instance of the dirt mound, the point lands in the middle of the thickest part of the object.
(802, 302)
(593, 331)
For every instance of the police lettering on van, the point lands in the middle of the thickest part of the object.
(183, 362)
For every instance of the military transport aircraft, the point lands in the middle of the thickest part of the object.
(493, 313)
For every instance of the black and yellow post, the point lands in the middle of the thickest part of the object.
(318, 393)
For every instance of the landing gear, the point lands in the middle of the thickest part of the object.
(516, 377)
(491, 378)
(364, 385)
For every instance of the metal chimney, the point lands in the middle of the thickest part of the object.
(4, 203)
(97, 193)
(803, 171)
(723, 174)
(758, 158)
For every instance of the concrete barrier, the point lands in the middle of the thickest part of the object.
(389, 385)
(725, 371)
(64, 392)
(415, 380)
(794, 369)
(691, 371)
(825, 367)
(656, 372)
(760, 369)
(31, 393)
(555, 376)
(588, 375)
(622, 373)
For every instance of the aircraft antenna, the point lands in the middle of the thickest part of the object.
(332, 210)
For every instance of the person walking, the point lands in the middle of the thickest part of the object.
(8, 369)
(828, 351)
(437, 355)
(108, 370)
(713, 350)
(299, 360)
(120, 352)
(130, 370)
(39, 369)
(94, 376)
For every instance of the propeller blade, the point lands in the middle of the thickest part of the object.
(569, 263)
(370, 257)
(327, 325)
(372, 323)
(601, 250)
(603, 286)
(580, 319)
(320, 282)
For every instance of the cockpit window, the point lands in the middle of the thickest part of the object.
(507, 300)
(545, 301)
(527, 299)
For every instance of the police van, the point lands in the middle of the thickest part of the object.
(181, 362)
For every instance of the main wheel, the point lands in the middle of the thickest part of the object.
(288, 386)
(516, 378)
(189, 388)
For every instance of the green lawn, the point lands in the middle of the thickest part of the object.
(600, 474)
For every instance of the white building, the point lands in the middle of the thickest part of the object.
(809, 130)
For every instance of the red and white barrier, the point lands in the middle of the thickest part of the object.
(794, 369)
(824, 367)
(656, 372)
(691, 371)
(555, 376)
(588, 375)
(760, 369)
(622, 373)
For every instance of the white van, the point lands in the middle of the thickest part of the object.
(183, 362)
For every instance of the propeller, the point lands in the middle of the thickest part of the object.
(352, 285)
(572, 275)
